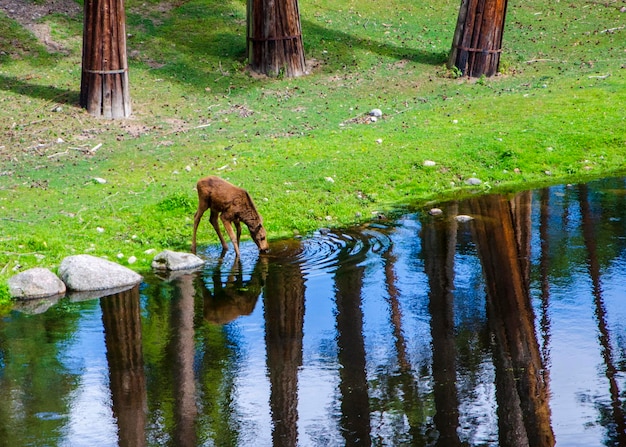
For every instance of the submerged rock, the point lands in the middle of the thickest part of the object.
(173, 260)
(435, 212)
(87, 273)
(35, 283)
(463, 218)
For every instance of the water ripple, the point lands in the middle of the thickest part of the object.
(327, 250)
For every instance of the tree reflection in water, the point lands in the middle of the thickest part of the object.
(507, 330)
(284, 320)
(121, 320)
(504, 251)
(438, 245)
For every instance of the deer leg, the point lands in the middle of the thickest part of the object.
(238, 228)
(231, 233)
(216, 225)
(202, 207)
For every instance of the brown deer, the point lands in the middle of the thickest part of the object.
(232, 205)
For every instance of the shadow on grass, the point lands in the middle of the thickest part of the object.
(213, 42)
(205, 42)
(346, 46)
(45, 92)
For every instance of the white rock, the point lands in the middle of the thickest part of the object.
(87, 273)
(172, 260)
(376, 112)
(429, 163)
(35, 283)
(99, 180)
(473, 181)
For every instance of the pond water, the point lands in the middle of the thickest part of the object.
(506, 330)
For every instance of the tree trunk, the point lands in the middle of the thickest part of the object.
(275, 38)
(104, 89)
(477, 40)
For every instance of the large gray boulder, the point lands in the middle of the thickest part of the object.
(35, 283)
(174, 260)
(86, 273)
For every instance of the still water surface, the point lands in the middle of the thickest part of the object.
(505, 330)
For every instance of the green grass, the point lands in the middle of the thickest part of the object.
(556, 114)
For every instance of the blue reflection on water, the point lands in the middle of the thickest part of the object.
(252, 387)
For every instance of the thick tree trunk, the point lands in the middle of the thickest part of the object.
(104, 89)
(275, 38)
(477, 40)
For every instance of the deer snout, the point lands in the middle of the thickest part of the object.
(260, 238)
(264, 247)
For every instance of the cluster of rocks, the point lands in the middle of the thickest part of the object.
(91, 276)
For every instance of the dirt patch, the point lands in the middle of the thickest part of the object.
(29, 14)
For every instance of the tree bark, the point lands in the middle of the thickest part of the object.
(275, 38)
(477, 40)
(104, 89)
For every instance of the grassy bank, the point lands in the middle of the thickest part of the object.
(304, 148)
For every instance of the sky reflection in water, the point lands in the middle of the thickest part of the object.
(507, 330)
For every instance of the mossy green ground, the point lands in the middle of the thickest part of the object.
(304, 147)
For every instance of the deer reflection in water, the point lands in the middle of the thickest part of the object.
(234, 297)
